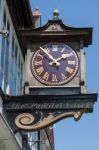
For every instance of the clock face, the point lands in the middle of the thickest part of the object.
(54, 64)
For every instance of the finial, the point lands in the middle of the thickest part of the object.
(56, 14)
(37, 18)
(37, 13)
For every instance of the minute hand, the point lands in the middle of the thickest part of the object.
(50, 57)
(45, 51)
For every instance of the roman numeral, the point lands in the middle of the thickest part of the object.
(38, 62)
(70, 70)
(46, 76)
(63, 76)
(39, 55)
(40, 70)
(71, 62)
(62, 49)
(54, 78)
(70, 54)
(55, 48)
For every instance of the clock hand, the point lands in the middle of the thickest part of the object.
(64, 56)
(50, 56)
(45, 52)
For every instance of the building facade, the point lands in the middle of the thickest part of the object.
(11, 57)
(13, 16)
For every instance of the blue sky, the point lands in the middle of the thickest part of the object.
(84, 134)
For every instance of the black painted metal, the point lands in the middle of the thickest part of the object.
(45, 104)
(51, 102)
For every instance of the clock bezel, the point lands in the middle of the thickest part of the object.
(59, 83)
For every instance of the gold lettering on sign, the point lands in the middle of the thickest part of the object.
(63, 76)
(71, 62)
(40, 70)
(46, 76)
(54, 78)
(38, 62)
(70, 70)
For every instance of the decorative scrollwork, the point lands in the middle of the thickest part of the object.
(54, 27)
(39, 120)
(25, 119)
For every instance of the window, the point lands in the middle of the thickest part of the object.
(19, 62)
(0, 6)
(4, 19)
(33, 140)
(16, 53)
(15, 68)
(12, 65)
(4, 55)
(11, 61)
(3, 52)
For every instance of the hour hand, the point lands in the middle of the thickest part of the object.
(63, 56)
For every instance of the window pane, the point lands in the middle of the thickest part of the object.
(19, 66)
(4, 18)
(1, 78)
(5, 84)
(16, 53)
(7, 57)
(8, 29)
(7, 48)
(2, 59)
(3, 42)
(13, 43)
(0, 6)
(8, 26)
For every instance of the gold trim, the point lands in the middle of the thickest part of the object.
(24, 119)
